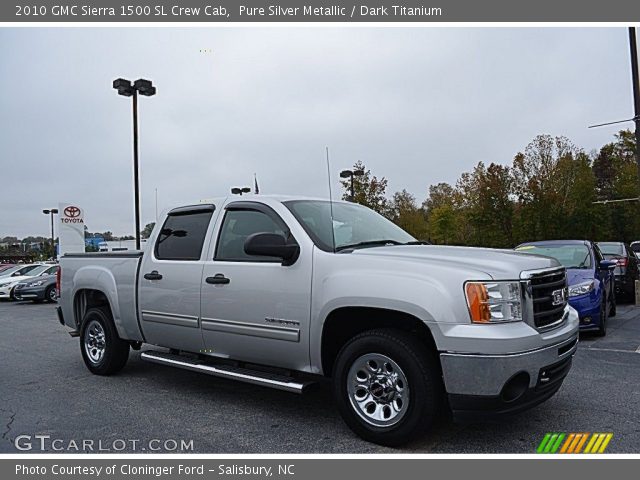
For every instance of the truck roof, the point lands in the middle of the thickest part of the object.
(273, 198)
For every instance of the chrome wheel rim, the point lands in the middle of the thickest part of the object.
(378, 390)
(94, 341)
(52, 294)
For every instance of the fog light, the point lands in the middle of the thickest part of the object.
(515, 387)
(586, 320)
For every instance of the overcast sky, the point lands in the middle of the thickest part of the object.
(417, 105)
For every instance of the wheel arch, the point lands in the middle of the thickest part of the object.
(343, 323)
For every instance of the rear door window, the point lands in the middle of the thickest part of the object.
(182, 235)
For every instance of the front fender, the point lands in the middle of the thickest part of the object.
(416, 295)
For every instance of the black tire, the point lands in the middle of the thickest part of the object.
(602, 329)
(98, 334)
(416, 363)
(612, 304)
(50, 295)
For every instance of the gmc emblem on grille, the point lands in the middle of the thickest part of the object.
(558, 297)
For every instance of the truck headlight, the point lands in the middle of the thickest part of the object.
(494, 302)
(581, 288)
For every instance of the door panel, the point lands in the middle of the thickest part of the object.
(261, 314)
(170, 278)
(170, 307)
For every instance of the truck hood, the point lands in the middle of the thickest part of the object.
(498, 264)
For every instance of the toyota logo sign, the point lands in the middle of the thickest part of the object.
(72, 212)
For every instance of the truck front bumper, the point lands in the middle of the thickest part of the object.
(506, 383)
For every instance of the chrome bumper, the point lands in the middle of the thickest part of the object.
(486, 375)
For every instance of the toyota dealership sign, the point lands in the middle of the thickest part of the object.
(71, 228)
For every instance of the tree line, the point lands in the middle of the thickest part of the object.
(548, 192)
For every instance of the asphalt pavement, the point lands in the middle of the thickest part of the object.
(50, 402)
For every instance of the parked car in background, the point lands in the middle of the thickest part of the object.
(18, 270)
(38, 289)
(626, 271)
(6, 266)
(590, 279)
(635, 247)
(7, 284)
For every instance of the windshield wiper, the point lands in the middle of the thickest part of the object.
(369, 243)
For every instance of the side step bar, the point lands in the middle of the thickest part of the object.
(279, 382)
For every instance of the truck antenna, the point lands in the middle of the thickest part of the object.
(333, 235)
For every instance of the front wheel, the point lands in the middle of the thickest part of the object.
(612, 304)
(387, 386)
(103, 352)
(51, 295)
(602, 329)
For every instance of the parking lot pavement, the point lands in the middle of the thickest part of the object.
(45, 389)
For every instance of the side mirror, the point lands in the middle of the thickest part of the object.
(607, 264)
(272, 245)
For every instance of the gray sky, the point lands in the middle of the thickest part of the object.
(417, 105)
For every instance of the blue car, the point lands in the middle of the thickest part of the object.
(590, 279)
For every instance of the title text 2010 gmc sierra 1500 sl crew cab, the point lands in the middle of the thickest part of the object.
(283, 291)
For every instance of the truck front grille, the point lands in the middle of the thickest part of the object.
(549, 294)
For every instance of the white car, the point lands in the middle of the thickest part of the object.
(18, 270)
(8, 283)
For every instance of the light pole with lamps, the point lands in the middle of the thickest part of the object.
(351, 174)
(240, 191)
(52, 212)
(126, 89)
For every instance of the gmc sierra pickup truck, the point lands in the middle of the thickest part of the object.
(283, 292)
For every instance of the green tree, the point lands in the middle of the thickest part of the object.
(368, 189)
(486, 197)
(148, 228)
(405, 212)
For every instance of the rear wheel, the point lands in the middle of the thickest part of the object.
(103, 352)
(387, 387)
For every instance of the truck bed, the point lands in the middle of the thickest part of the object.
(113, 273)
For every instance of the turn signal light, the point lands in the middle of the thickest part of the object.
(478, 301)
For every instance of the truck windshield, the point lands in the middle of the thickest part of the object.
(353, 225)
(570, 256)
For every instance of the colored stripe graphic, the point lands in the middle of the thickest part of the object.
(581, 443)
(605, 443)
(543, 443)
(556, 442)
(568, 442)
(591, 442)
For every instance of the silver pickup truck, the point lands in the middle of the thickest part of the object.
(283, 292)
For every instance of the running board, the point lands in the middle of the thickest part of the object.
(279, 382)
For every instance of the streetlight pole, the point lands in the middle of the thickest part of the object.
(126, 89)
(136, 169)
(51, 212)
(350, 174)
(636, 90)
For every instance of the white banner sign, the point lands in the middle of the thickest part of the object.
(70, 229)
